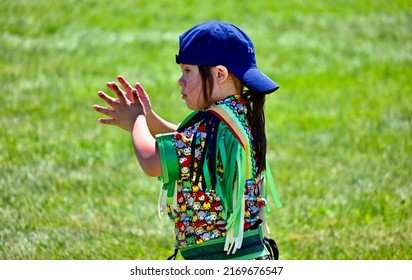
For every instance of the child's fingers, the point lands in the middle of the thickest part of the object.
(143, 96)
(140, 90)
(119, 93)
(136, 98)
(108, 121)
(104, 110)
(125, 84)
(109, 100)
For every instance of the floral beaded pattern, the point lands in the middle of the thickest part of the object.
(200, 215)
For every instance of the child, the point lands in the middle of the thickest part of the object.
(213, 165)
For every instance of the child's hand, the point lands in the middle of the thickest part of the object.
(124, 110)
(143, 96)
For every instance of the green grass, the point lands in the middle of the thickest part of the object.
(340, 127)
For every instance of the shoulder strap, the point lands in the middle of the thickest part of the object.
(235, 222)
(226, 115)
(239, 131)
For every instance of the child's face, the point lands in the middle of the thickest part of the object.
(191, 84)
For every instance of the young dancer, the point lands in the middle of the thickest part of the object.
(213, 165)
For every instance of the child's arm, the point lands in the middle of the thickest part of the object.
(155, 123)
(145, 147)
(158, 125)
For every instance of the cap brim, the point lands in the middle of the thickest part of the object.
(255, 79)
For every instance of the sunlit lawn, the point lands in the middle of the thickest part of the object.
(339, 128)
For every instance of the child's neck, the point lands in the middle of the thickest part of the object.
(224, 90)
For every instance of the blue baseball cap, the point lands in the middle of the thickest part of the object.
(214, 43)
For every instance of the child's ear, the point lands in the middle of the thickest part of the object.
(221, 73)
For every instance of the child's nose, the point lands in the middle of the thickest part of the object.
(180, 82)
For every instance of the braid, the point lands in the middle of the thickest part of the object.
(255, 102)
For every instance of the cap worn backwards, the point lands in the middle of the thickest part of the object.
(214, 43)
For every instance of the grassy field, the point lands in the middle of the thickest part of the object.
(340, 127)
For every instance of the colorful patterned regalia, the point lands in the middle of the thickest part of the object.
(211, 188)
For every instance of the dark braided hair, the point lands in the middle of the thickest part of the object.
(255, 102)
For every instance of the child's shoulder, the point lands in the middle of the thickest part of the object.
(234, 103)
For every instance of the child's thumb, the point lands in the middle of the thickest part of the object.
(135, 96)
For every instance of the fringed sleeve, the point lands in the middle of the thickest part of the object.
(170, 170)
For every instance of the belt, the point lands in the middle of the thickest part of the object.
(252, 247)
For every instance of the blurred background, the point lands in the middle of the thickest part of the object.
(339, 128)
